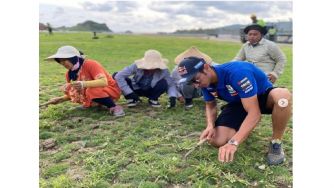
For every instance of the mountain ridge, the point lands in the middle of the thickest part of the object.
(88, 25)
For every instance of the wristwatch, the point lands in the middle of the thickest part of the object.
(233, 142)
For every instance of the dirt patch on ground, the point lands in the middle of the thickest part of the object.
(151, 113)
(77, 119)
(79, 145)
(87, 150)
(48, 144)
(76, 173)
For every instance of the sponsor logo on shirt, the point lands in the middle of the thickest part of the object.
(245, 84)
(231, 90)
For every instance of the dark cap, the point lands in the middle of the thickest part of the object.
(257, 27)
(189, 67)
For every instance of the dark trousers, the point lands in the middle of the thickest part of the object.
(108, 102)
(151, 93)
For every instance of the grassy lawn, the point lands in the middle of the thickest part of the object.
(146, 147)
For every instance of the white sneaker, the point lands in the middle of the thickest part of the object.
(154, 103)
(117, 111)
(132, 102)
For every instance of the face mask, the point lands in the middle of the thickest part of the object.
(76, 66)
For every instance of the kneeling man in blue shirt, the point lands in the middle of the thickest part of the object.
(248, 94)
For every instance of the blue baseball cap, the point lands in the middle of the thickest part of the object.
(189, 67)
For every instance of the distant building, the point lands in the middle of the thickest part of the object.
(42, 27)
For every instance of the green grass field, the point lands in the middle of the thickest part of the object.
(146, 147)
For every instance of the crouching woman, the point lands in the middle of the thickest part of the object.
(88, 83)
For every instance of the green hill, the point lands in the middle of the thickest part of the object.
(87, 26)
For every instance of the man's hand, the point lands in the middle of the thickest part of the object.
(181, 99)
(208, 133)
(78, 85)
(272, 78)
(226, 153)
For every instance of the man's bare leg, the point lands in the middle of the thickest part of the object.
(280, 100)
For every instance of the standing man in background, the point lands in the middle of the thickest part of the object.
(260, 22)
(264, 53)
(49, 28)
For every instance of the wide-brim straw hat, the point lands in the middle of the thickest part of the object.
(152, 60)
(193, 51)
(65, 52)
(257, 27)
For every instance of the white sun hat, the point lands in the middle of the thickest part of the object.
(152, 60)
(65, 52)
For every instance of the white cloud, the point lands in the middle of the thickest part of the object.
(166, 16)
(67, 3)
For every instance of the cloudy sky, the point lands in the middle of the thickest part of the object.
(165, 16)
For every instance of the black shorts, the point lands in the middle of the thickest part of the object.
(233, 114)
